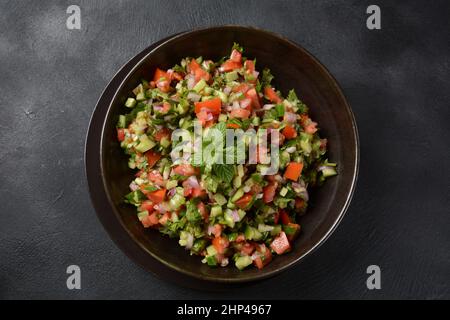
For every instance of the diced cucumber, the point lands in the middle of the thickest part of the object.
(141, 215)
(208, 91)
(252, 233)
(220, 199)
(211, 261)
(211, 251)
(276, 230)
(256, 121)
(222, 96)
(231, 76)
(239, 193)
(265, 228)
(329, 172)
(237, 182)
(130, 103)
(165, 142)
(240, 170)
(243, 262)
(216, 211)
(177, 201)
(145, 144)
(283, 191)
(223, 117)
(229, 221)
(122, 123)
(171, 184)
(140, 96)
(199, 86)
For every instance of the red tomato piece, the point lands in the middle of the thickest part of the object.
(293, 171)
(120, 134)
(269, 192)
(271, 95)
(281, 243)
(244, 201)
(289, 132)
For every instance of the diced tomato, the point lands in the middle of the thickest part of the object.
(276, 217)
(308, 125)
(147, 205)
(233, 126)
(186, 170)
(240, 113)
(172, 75)
(150, 220)
(187, 191)
(152, 158)
(157, 196)
(271, 95)
(240, 238)
(155, 177)
(264, 256)
(299, 204)
(217, 230)
(269, 192)
(164, 218)
(230, 65)
(284, 216)
(281, 243)
(236, 56)
(289, 132)
(311, 128)
(160, 74)
(247, 248)
(293, 171)
(203, 117)
(213, 105)
(203, 210)
(249, 66)
(244, 201)
(198, 193)
(243, 87)
(165, 107)
(253, 95)
(163, 85)
(220, 244)
(198, 72)
(120, 134)
(163, 133)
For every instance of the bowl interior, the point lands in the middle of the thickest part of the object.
(293, 68)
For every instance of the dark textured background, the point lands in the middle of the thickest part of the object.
(396, 80)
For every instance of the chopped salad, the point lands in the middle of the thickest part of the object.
(225, 213)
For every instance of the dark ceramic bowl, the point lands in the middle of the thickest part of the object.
(293, 67)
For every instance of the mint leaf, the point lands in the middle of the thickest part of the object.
(224, 172)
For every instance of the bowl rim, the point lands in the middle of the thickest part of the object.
(343, 209)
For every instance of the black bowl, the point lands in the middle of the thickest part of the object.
(293, 67)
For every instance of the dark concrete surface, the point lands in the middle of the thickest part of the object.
(396, 80)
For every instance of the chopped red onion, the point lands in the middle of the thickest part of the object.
(189, 241)
(171, 192)
(290, 117)
(291, 149)
(245, 103)
(227, 90)
(133, 186)
(224, 262)
(193, 182)
(210, 231)
(194, 96)
(235, 216)
(236, 105)
(158, 107)
(190, 81)
(268, 106)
